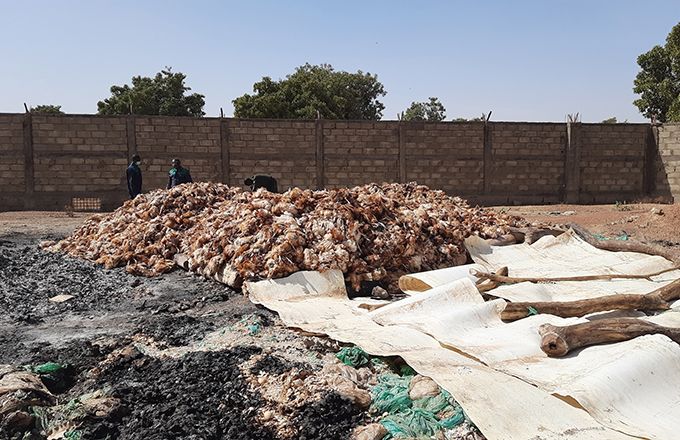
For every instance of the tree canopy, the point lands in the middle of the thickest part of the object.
(311, 91)
(47, 109)
(658, 82)
(432, 111)
(164, 94)
(611, 120)
(477, 119)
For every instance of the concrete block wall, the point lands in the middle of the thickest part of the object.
(12, 166)
(77, 156)
(612, 161)
(196, 142)
(356, 153)
(46, 161)
(528, 161)
(667, 178)
(448, 156)
(284, 149)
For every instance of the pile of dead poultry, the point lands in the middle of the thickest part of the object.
(372, 233)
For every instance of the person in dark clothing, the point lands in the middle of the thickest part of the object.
(134, 177)
(178, 175)
(261, 181)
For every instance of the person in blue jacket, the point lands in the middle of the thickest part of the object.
(178, 175)
(134, 177)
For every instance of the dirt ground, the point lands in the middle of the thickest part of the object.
(178, 356)
(645, 222)
(175, 356)
(170, 350)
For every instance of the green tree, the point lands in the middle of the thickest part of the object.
(164, 94)
(477, 119)
(432, 111)
(611, 120)
(313, 91)
(47, 109)
(658, 82)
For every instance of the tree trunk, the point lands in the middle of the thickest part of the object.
(558, 341)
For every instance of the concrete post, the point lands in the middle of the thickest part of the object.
(131, 136)
(650, 160)
(488, 158)
(572, 163)
(402, 177)
(29, 170)
(320, 161)
(225, 159)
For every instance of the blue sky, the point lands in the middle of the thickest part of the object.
(525, 60)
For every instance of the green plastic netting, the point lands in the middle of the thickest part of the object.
(421, 418)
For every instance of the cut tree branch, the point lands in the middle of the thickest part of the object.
(502, 279)
(656, 300)
(623, 246)
(559, 341)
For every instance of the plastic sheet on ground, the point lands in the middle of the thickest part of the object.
(567, 255)
(502, 406)
(630, 386)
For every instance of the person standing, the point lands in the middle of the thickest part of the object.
(134, 177)
(178, 174)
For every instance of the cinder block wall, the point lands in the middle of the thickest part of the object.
(284, 149)
(613, 161)
(445, 156)
(668, 161)
(160, 139)
(355, 153)
(46, 161)
(77, 155)
(528, 162)
(12, 166)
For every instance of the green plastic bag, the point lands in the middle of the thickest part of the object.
(353, 356)
(47, 368)
(254, 329)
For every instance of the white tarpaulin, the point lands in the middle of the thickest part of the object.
(496, 370)
(567, 255)
(502, 406)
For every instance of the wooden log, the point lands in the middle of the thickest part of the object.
(655, 300)
(559, 341)
(531, 234)
(623, 246)
(502, 279)
(484, 285)
(568, 309)
(669, 292)
(503, 240)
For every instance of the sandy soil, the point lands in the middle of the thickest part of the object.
(48, 223)
(645, 222)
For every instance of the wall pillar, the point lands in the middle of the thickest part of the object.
(29, 170)
(650, 161)
(319, 156)
(131, 136)
(572, 164)
(225, 157)
(487, 159)
(401, 176)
